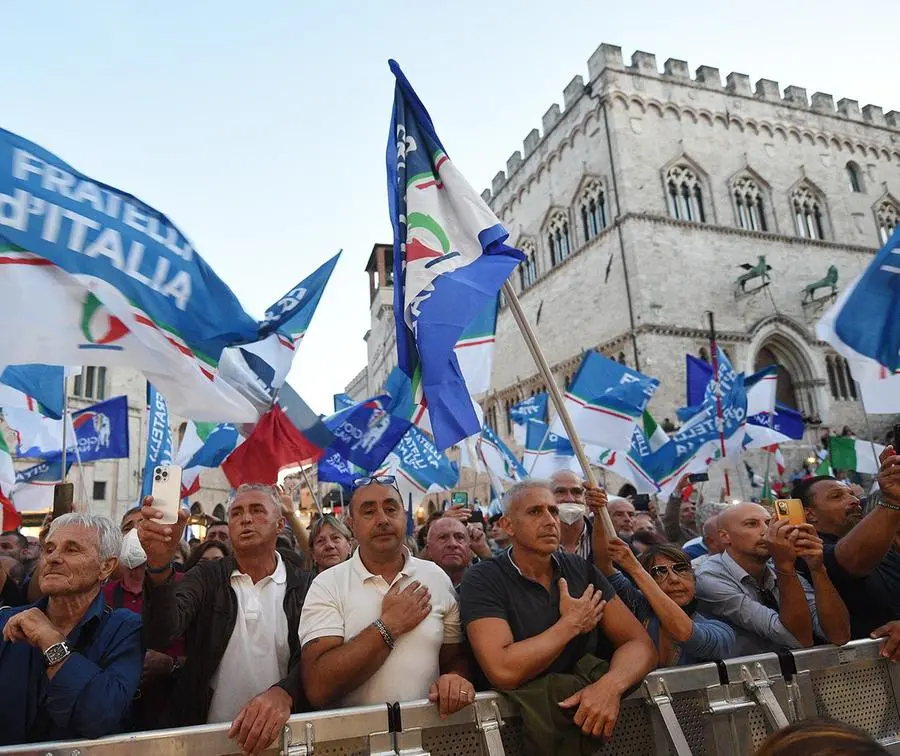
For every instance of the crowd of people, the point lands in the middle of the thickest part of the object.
(108, 629)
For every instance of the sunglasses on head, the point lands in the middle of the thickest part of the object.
(661, 571)
(367, 480)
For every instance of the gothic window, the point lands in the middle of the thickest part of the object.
(888, 216)
(509, 405)
(528, 267)
(685, 194)
(854, 177)
(748, 200)
(593, 209)
(704, 355)
(558, 238)
(807, 210)
(851, 386)
(840, 380)
(832, 379)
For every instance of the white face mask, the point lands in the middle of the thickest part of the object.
(570, 513)
(132, 554)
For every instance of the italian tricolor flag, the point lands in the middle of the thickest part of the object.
(10, 519)
(655, 435)
(854, 454)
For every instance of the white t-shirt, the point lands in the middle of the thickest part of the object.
(258, 652)
(344, 600)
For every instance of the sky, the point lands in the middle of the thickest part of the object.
(260, 128)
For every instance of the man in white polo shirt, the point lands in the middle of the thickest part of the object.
(383, 626)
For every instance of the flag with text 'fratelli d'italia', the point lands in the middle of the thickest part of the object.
(92, 275)
(864, 326)
(419, 467)
(450, 261)
(606, 401)
(159, 438)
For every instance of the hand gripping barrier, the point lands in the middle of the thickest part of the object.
(721, 708)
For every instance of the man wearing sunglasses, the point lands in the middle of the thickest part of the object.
(383, 626)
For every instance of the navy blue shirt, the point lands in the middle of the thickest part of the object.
(89, 696)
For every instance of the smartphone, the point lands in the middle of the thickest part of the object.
(459, 497)
(790, 510)
(698, 478)
(63, 497)
(166, 492)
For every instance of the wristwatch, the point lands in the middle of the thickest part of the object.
(56, 653)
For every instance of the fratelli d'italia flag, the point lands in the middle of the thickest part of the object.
(450, 261)
(92, 275)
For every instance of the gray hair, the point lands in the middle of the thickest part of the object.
(107, 531)
(518, 490)
(269, 491)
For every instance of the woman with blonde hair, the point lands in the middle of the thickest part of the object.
(330, 543)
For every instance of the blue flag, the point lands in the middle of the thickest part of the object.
(450, 261)
(293, 312)
(365, 433)
(342, 401)
(532, 408)
(159, 437)
(499, 460)
(868, 322)
(46, 471)
(333, 468)
(419, 466)
(41, 383)
(101, 430)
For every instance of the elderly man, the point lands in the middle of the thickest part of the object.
(708, 543)
(623, 514)
(575, 530)
(70, 666)
(240, 617)
(537, 610)
(859, 554)
(448, 546)
(383, 626)
(680, 518)
(771, 609)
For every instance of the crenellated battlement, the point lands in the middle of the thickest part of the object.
(608, 56)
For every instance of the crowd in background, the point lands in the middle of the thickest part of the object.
(109, 628)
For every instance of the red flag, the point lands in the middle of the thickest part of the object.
(274, 444)
(11, 519)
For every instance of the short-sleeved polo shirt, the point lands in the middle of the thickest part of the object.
(496, 588)
(345, 599)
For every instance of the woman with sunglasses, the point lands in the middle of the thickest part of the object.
(661, 594)
(330, 543)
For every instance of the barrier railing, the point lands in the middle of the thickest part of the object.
(729, 707)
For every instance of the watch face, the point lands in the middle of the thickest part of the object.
(56, 653)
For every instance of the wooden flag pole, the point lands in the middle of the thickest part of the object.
(544, 369)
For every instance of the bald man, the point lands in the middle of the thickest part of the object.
(770, 608)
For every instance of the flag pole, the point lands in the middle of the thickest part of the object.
(65, 423)
(544, 369)
(869, 427)
(314, 493)
(720, 420)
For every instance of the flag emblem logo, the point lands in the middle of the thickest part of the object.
(101, 425)
(100, 328)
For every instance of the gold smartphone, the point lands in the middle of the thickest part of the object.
(790, 510)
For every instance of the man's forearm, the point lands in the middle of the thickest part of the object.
(527, 659)
(862, 549)
(456, 662)
(833, 615)
(630, 664)
(343, 669)
(793, 611)
(672, 518)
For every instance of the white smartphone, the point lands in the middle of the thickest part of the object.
(166, 492)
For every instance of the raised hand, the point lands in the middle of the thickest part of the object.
(595, 498)
(781, 544)
(889, 476)
(581, 614)
(402, 611)
(160, 542)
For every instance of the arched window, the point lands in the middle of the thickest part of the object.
(807, 213)
(558, 238)
(748, 200)
(851, 386)
(704, 355)
(593, 209)
(528, 272)
(888, 216)
(854, 177)
(832, 380)
(685, 194)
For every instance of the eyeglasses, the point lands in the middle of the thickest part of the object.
(367, 480)
(660, 572)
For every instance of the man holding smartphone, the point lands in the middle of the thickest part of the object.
(240, 616)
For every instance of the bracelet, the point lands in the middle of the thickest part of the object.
(783, 573)
(158, 570)
(886, 505)
(385, 633)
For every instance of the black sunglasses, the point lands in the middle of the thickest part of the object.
(367, 480)
(661, 571)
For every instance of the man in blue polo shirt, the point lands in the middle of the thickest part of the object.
(70, 666)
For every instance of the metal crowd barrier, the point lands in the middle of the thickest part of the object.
(728, 707)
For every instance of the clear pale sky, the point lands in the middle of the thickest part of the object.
(260, 128)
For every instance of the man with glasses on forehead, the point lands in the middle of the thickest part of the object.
(384, 625)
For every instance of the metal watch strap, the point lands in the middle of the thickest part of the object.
(887, 505)
(385, 633)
